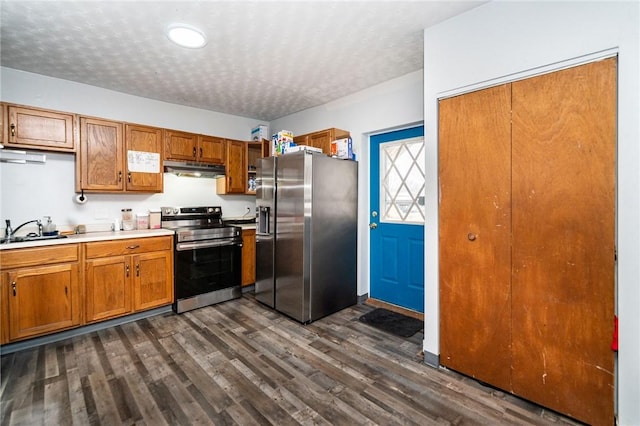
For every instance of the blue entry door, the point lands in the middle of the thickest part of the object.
(396, 218)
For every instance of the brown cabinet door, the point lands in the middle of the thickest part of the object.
(107, 288)
(43, 300)
(475, 234)
(235, 167)
(180, 145)
(40, 129)
(211, 149)
(248, 256)
(153, 280)
(321, 140)
(3, 122)
(564, 147)
(101, 155)
(148, 141)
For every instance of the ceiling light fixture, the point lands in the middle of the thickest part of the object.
(186, 36)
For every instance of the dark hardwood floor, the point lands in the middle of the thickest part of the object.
(241, 363)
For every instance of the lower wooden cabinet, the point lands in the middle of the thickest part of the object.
(153, 280)
(40, 291)
(248, 256)
(107, 288)
(47, 289)
(125, 276)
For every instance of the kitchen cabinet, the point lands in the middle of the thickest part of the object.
(124, 276)
(241, 167)
(40, 291)
(3, 122)
(191, 147)
(248, 256)
(527, 252)
(104, 164)
(254, 151)
(41, 129)
(143, 146)
(321, 139)
(212, 149)
(100, 166)
(235, 178)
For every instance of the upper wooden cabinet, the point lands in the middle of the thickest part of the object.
(235, 178)
(41, 129)
(211, 149)
(321, 139)
(101, 155)
(3, 121)
(115, 157)
(191, 147)
(143, 152)
(240, 167)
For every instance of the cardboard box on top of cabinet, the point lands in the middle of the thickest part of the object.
(261, 131)
(279, 142)
(342, 148)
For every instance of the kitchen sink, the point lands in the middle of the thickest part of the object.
(34, 238)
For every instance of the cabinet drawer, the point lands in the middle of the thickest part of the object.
(36, 256)
(132, 246)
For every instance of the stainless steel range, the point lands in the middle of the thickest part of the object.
(207, 256)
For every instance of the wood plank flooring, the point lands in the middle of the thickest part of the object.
(241, 363)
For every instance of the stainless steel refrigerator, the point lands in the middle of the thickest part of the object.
(306, 238)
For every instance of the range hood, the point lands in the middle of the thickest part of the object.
(193, 169)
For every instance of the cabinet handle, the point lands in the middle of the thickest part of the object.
(13, 287)
(129, 177)
(194, 152)
(471, 236)
(120, 176)
(133, 247)
(138, 270)
(13, 130)
(200, 152)
(66, 290)
(126, 268)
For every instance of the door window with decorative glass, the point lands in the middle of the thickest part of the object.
(402, 178)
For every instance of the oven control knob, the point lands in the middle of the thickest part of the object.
(210, 209)
(175, 211)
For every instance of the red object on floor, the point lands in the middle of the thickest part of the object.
(614, 342)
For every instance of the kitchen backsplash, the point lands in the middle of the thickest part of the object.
(31, 191)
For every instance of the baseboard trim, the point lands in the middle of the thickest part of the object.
(432, 360)
(51, 338)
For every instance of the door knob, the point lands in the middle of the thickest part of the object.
(373, 225)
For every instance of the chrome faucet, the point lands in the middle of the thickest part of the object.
(9, 233)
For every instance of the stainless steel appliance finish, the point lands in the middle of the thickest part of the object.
(315, 231)
(265, 230)
(207, 256)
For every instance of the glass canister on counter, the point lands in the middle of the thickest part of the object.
(142, 220)
(128, 223)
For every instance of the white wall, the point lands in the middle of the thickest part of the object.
(503, 41)
(31, 191)
(393, 104)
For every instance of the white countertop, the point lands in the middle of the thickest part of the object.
(89, 237)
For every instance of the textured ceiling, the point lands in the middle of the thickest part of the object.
(263, 59)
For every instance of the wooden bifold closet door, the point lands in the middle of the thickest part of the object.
(527, 238)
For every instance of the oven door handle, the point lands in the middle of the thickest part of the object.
(206, 244)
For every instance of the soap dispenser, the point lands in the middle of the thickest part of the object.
(48, 228)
